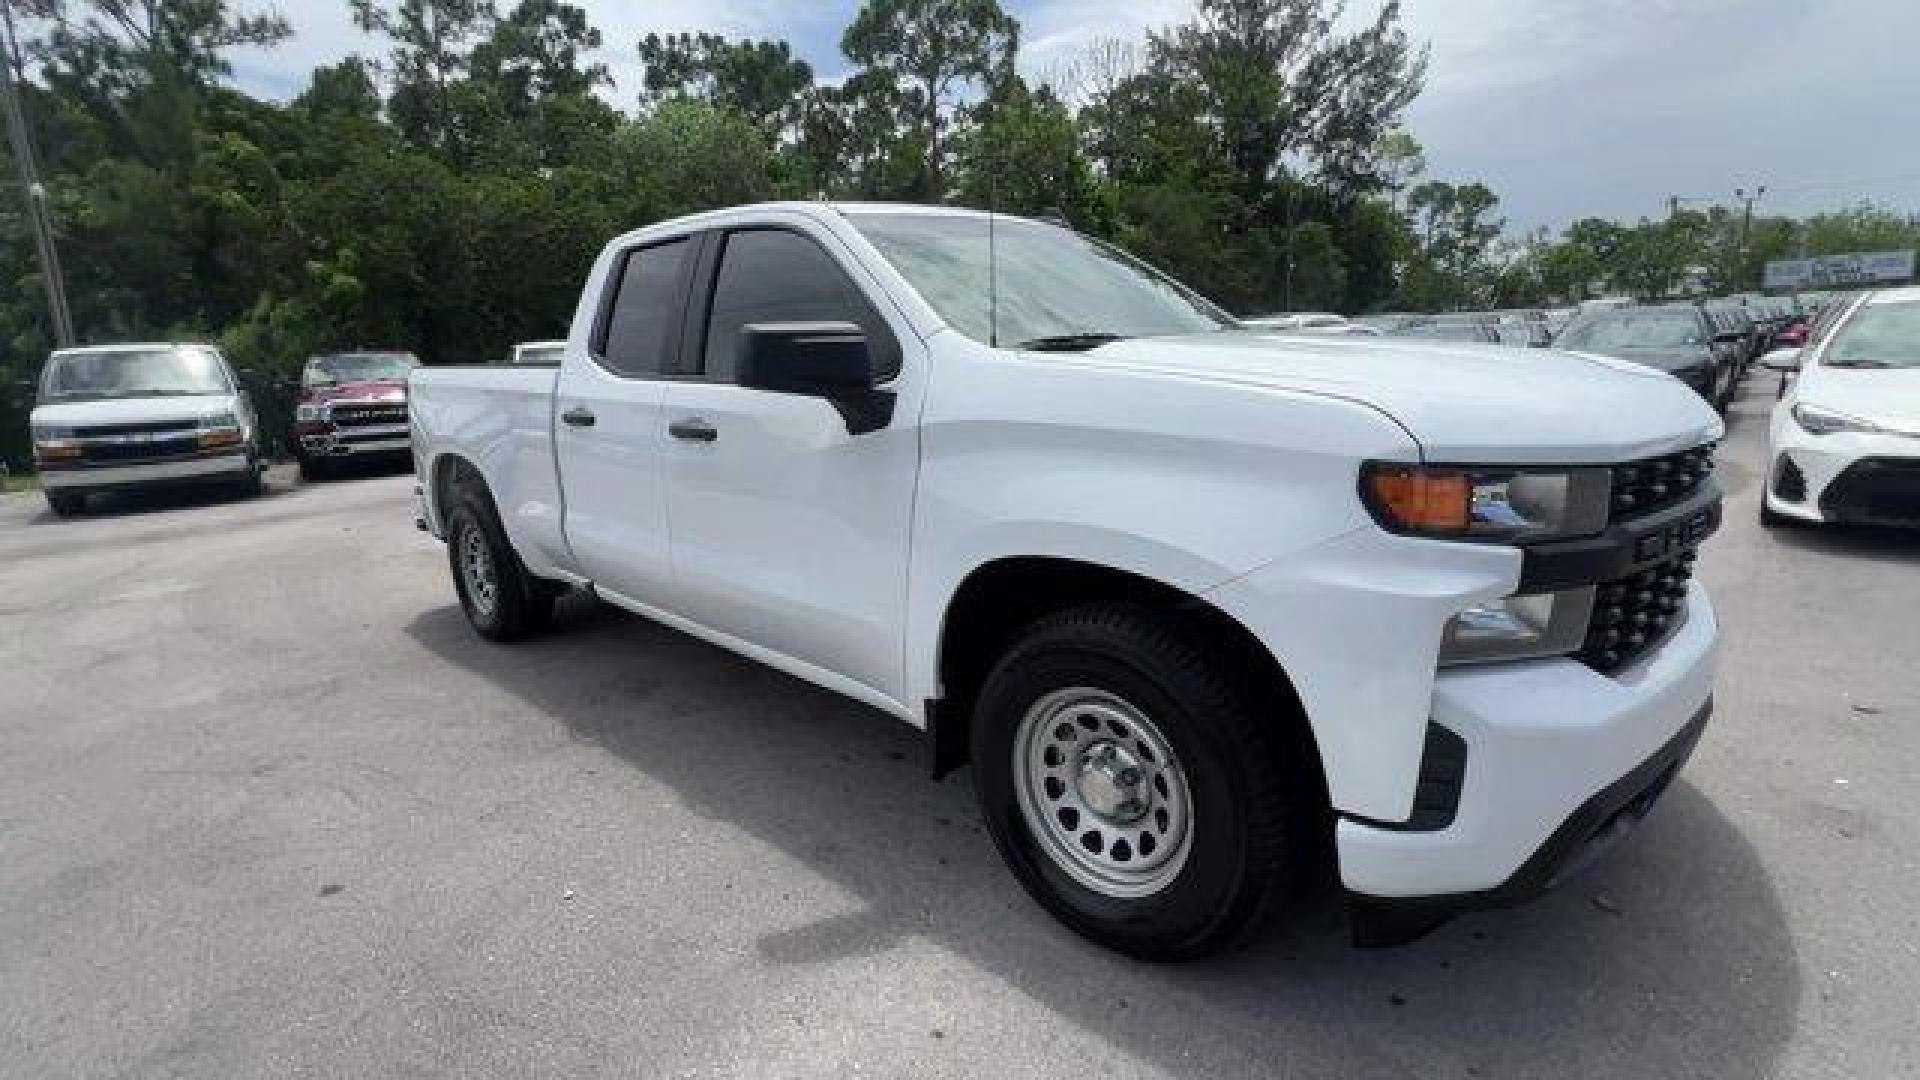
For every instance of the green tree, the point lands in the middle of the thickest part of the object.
(1281, 81)
(432, 41)
(761, 80)
(919, 56)
(1019, 152)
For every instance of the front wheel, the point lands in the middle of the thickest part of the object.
(66, 503)
(251, 483)
(501, 600)
(1136, 788)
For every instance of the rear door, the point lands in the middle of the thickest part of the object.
(608, 429)
(788, 532)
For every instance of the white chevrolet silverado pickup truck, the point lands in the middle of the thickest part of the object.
(1188, 598)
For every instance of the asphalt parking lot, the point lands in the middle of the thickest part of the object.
(267, 808)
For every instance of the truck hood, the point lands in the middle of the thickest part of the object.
(1889, 397)
(1460, 402)
(372, 390)
(1664, 359)
(142, 410)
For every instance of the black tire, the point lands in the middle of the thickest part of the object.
(518, 604)
(1245, 766)
(312, 470)
(251, 485)
(66, 503)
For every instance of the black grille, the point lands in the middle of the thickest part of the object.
(105, 430)
(1634, 614)
(369, 415)
(1652, 483)
(1876, 491)
(140, 451)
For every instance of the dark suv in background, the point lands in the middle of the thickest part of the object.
(1684, 341)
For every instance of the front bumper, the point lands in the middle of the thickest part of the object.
(1865, 477)
(1558, 760)
(204, 466)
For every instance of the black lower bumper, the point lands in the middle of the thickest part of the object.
(1587, 833)
(1875, 491)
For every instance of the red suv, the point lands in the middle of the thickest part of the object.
(352, 405)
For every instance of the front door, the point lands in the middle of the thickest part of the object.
(788, 532)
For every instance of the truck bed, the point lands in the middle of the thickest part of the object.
(503, 416)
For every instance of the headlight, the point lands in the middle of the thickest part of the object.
(1518, 627)
(223, 419)
(308, 413)
(54, 443)
(1819, 421)
(1456, 503)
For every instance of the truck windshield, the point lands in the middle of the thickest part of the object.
(1055, 288)
(359, 367)
(132, 373)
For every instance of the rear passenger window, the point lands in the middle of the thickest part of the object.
(767, 276)
(642, 331)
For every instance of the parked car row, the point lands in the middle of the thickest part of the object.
(1708, 345)
(114, 418)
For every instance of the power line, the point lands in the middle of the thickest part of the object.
(36, 193)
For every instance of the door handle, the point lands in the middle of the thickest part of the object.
(578, 416)
(693, 429)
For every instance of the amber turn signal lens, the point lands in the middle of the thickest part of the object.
(1421, 501)
(218, 437)
(56, 450)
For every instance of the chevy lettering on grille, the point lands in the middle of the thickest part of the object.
(1680, 536)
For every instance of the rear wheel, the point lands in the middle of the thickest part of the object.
(66, 503)
(1138, 790)
(501, 599)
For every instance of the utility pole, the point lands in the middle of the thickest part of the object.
(36, 193)
(1746, 217)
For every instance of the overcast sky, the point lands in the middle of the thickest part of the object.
(1566, 108)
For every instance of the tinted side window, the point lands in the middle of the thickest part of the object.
(643, 326)
(769, 275)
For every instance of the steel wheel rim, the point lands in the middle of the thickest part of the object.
(1117, 834)
(476, 566)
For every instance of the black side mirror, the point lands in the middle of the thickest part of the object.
(830, 360)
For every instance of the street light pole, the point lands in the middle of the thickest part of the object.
(36, 193)
(1746, 218)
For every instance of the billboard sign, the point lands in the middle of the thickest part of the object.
(1829, 271)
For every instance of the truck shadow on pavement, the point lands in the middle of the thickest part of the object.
(1671, 958)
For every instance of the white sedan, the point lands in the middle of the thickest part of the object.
(1845, 439)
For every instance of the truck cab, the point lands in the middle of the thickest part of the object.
(1190, 601)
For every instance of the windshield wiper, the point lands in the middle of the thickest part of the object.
(1069, 342)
